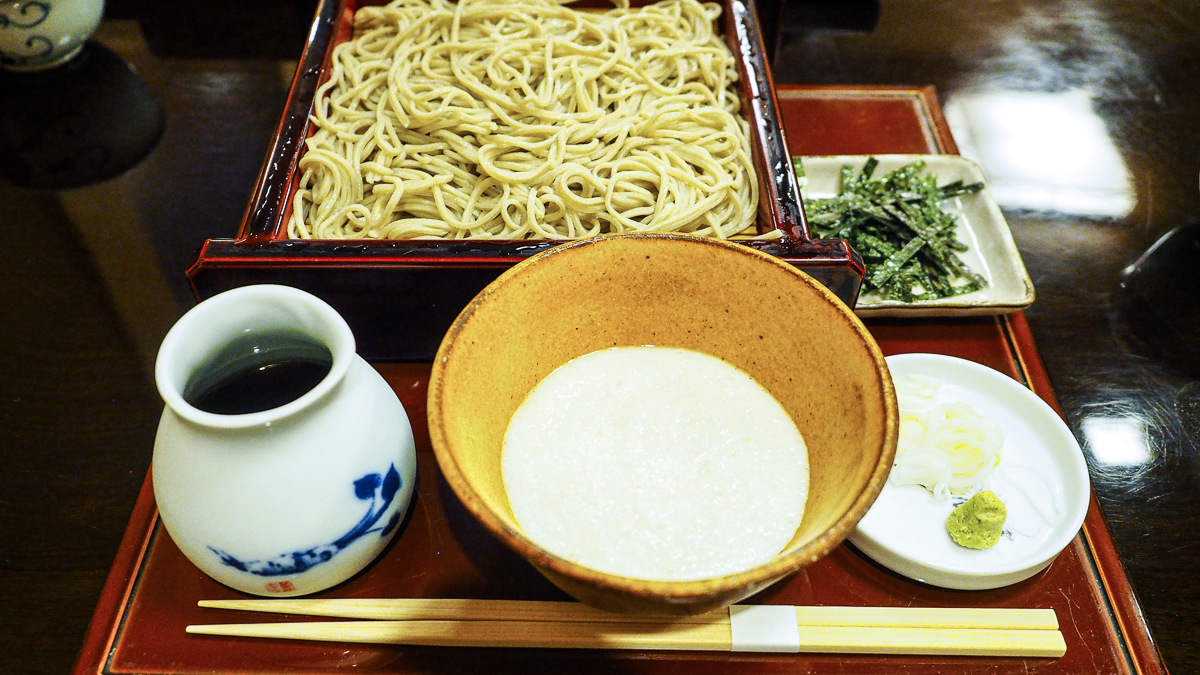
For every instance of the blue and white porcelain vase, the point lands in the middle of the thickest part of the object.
(292, 499)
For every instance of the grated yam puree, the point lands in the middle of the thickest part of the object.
(655, 463)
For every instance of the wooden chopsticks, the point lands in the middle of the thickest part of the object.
(533, 624)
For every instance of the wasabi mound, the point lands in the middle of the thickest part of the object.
(979, 522)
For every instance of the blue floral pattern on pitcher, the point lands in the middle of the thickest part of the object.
(379, 490)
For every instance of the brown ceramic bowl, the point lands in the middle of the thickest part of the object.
(787, 331)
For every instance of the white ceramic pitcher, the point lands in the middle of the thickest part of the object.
(293, 499)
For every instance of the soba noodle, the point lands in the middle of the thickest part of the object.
(527, 120)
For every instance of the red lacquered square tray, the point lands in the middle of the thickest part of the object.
(152, 591)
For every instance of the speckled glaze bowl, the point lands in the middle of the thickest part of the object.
(767, 318)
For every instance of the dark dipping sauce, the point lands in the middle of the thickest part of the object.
(257, 373)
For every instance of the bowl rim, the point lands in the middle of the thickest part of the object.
(672, 591)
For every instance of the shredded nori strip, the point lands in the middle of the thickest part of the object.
(898, 226)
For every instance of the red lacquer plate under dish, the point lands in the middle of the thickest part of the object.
(400, 296)
(151, 593)
(442, 552)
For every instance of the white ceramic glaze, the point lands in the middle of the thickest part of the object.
(40, 34)
(991, 251)
(1042, 478)
(290, 500)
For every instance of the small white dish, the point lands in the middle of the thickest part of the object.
(1042, 479)
(991, 250)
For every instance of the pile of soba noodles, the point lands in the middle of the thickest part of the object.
(527, 120)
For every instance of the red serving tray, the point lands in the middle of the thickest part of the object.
(152, 591)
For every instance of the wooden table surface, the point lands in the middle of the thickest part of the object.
(1082, 111)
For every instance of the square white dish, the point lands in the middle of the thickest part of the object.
(991, 251)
